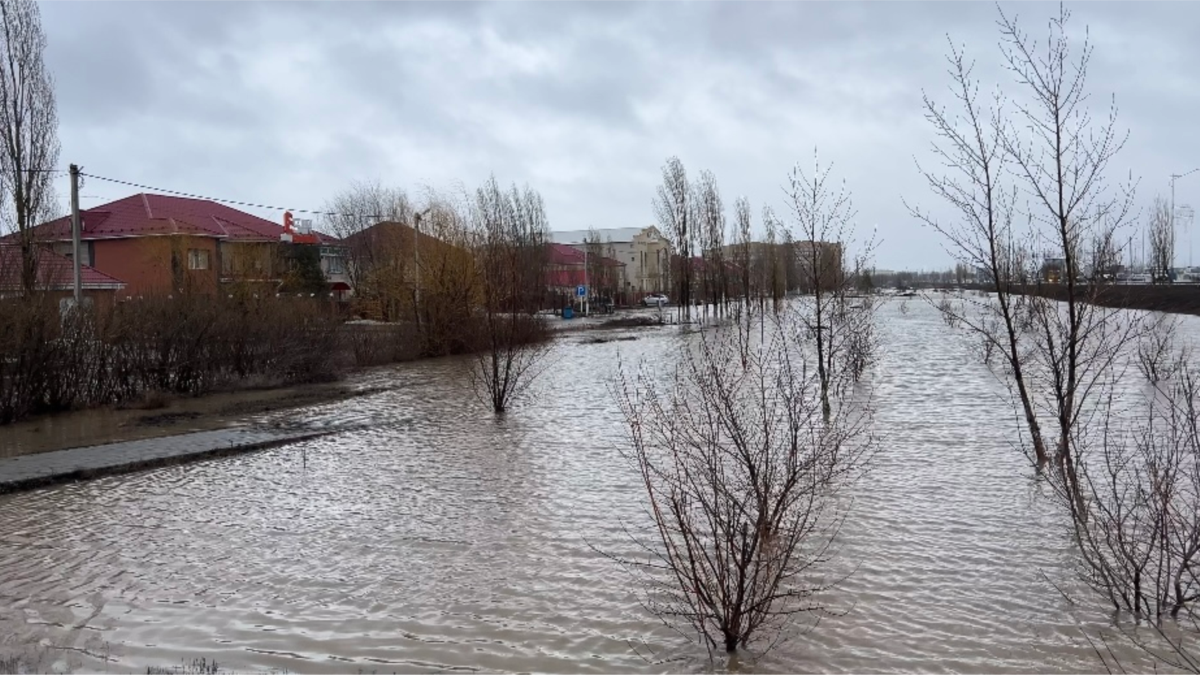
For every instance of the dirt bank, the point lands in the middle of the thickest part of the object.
(169, 417)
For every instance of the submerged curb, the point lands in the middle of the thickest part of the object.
(29, 472)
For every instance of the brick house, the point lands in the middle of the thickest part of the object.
(55, 277)
(159, 244)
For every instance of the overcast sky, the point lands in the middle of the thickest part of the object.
(287, 104)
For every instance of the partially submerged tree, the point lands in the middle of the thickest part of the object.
(1061, 157)
(743, 261)
(510, 234)
(673, 208)
(28, 129)
(710, 219)
(980, 231)
(1130, 489)
(824, 219)
(772, 266)
(742, 472)
(1140, 539)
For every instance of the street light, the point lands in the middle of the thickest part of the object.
(1174, 177)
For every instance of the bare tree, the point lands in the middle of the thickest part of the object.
(824, 218)
(1106, 258)
(601, 266)
(1131, 492)
(743, 259)
(710, 219)
(28, 129)
(673, 208)
(1140, 539)
(1061, 157)
(511, 232)
(970, 149)
(741, 474)
(352, 216)
(772, 265)
(1159, 356)
(1162, 242)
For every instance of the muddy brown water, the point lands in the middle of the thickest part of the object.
(430, 536)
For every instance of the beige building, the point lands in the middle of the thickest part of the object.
(644, 250)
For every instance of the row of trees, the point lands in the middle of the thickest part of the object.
(718, 264)
(742, 452)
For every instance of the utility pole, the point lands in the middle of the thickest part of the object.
(1174, 177)
(76, 234)
(417, 264)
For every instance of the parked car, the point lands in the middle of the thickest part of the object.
(654, 300)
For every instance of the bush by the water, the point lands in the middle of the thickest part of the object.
(51, 361)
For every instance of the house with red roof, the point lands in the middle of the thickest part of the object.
(160, 244)
(55, 276)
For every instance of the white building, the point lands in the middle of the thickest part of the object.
(644, 250)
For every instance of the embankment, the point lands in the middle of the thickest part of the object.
(1181, 299)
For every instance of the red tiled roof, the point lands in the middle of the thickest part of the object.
(562, 254)
(54, 272)
(146, 214)
(562, 278)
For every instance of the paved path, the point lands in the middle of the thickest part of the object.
(26, 472)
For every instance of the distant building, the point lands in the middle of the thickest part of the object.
(569, 268)
(645, 252)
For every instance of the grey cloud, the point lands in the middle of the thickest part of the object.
(289, 102)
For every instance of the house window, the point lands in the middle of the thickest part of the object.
(335, 265)
(67, 250)
(197, 259)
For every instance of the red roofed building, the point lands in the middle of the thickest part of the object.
(55, 276)
(162, 244)
(569, 268)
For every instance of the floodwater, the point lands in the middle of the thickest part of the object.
(430, 536)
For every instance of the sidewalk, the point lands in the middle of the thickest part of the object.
(26, 472)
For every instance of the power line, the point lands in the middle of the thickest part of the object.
(177, 193)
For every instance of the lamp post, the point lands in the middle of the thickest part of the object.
(417, 263)
(1174, 177)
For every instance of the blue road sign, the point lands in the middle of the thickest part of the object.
(580, 291)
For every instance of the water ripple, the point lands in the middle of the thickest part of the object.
(429, 536)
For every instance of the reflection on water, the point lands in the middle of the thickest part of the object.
(432, 536)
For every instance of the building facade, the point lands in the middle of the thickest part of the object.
(159, 244)
(644, 251)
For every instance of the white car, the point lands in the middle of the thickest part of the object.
(654, 300)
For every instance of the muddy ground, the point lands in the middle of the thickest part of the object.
(167, 417)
